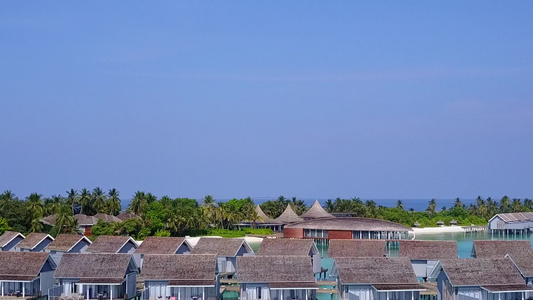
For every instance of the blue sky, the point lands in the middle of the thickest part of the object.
(396, 99)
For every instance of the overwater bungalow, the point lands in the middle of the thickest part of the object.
(511, 223)
(480, 278)
(498, 249)
(180, 277)
(375, 278)
(424, 255)
(26, 274)
(161, 245)
(315, 212)
(324, 229)
(292, 247)
(357, 248)
(67, 243)
(35, 242)
(113, 244)
(263, 222)
(276, 278)
(288, 216)
(91, 276)
(227, 251)
(9, 240)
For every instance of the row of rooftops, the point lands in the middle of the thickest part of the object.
(289, 216)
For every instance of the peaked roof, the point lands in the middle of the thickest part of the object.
(107, 218)
(8, 236)
(280, 246)
(127, 215)
(23, 266)
(83, 220)
(161, 245)
(498, 249)
(316, 211)
(33, 240)
(275, 269)
(523, 261)
(481, 271)
(428, 249)
(357, 248)
(220, 246)
(65, 242)
(109, 244)
(180, 269)
(515, 217)
(375, 270)
(263, 216)
(288, 216)
(109, 268)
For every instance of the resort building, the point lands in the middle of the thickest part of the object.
(524, 262)
(127, 215)
(67, 243)
(511, 223)
(9, 240)
(357, 248)
(276, 278)
(263, 222)
(161, 245)
(498, 249)
(227, 251)
(292, 247)
(34, 242)
(113, 244)
(323, 229)
(424, 255)
(25, 274)
(375, 278)
(288, 216)
(88, 275)
(181, 277)
(316, 212)
(480, 278)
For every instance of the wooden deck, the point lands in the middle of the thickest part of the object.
(325, 282)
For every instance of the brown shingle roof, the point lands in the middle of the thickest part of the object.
(295, 247)
(107, 218)
(481, 271)
(160, 245)
(218, 246)
(109, 244)
(524, 263)
(498, 249)
(180, 269)
(8, 236)
(275, 269)
(288, 216)
(21, 265)
(357, 248)
(127, 215)
(93, 265)
(316, 211)
(428, 249)
(364, 224)
(65, 242)
(33, 240)
(375, 270)
(508, 288)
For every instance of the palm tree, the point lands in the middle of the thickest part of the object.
(458, 203)
(65, 220)
(516, 205)
(481, 209)
(113, 202)
(432, 206)
(35, 204)
(53, 205)
(371, 207)
(150, 198)
(209, 208)
(329, 206)
(399, 204)
(528, 204)
(72, 198)
(86, 202)
(36, 225)
(505, 205)
(99, 199)
(138, 203)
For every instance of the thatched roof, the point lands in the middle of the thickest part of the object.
(375, 270)
(481, 271)
(316, 211)
(127, 215)
(23, 266)
(364, 224)
(33, 240)
(275, 269)
(357, 248)
(220, 246)
(180, 269)
(498, 249)
(161, 245)
(433, 250)
(107, 218)
(109, 244)
(293, 247)
(288, 216)
(265, 219)
(8, 236)
(83, 220)
(94, 268)
(65, 242)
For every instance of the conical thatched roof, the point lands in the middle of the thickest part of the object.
(263, 216)
(316, 211)
(288, 216)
